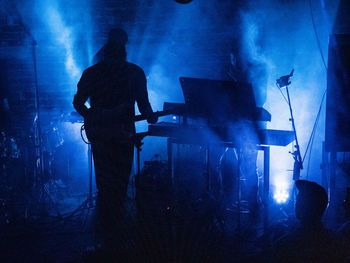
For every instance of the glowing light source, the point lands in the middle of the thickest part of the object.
(64, 36)
(281, 196)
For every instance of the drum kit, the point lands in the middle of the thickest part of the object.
(9, 155)
(19, 163)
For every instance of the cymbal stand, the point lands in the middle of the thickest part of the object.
(41, 189)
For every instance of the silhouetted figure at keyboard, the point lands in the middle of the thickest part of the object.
(242, 68)
(310, 241)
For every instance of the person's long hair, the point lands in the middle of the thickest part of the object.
(110, 52)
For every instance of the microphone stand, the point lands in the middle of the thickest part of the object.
(284, 81)
(298, 163)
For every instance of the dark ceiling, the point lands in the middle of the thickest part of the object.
(212, 38)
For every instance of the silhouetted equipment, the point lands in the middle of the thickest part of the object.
(220, 113)
(152, 190)
(221, 101)
(104, 123)
(284, 82)
(221, 104)
(338, 94)
(198, 134)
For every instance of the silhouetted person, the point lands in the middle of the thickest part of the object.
(344, 230)
(310, 241)
(243, 69)
(113, 85)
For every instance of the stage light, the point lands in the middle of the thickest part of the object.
(281, 196)
(64, 35)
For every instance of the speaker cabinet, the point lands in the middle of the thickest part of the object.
(338, 94)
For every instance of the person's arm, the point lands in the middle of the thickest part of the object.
(81, 96)
(142, 98)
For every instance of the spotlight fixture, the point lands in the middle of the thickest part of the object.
(284, 80)
(183, 1)
(281, 196)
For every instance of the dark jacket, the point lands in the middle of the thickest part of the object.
(113, 88)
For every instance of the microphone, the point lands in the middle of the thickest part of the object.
(285, 80)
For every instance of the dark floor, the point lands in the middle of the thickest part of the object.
(64, 231)
(59, 226)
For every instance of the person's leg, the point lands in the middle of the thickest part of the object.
(251, 178)
(113, 162)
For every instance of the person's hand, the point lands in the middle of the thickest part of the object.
(88, 114)
(152, 118)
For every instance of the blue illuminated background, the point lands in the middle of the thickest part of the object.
(169, 40)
